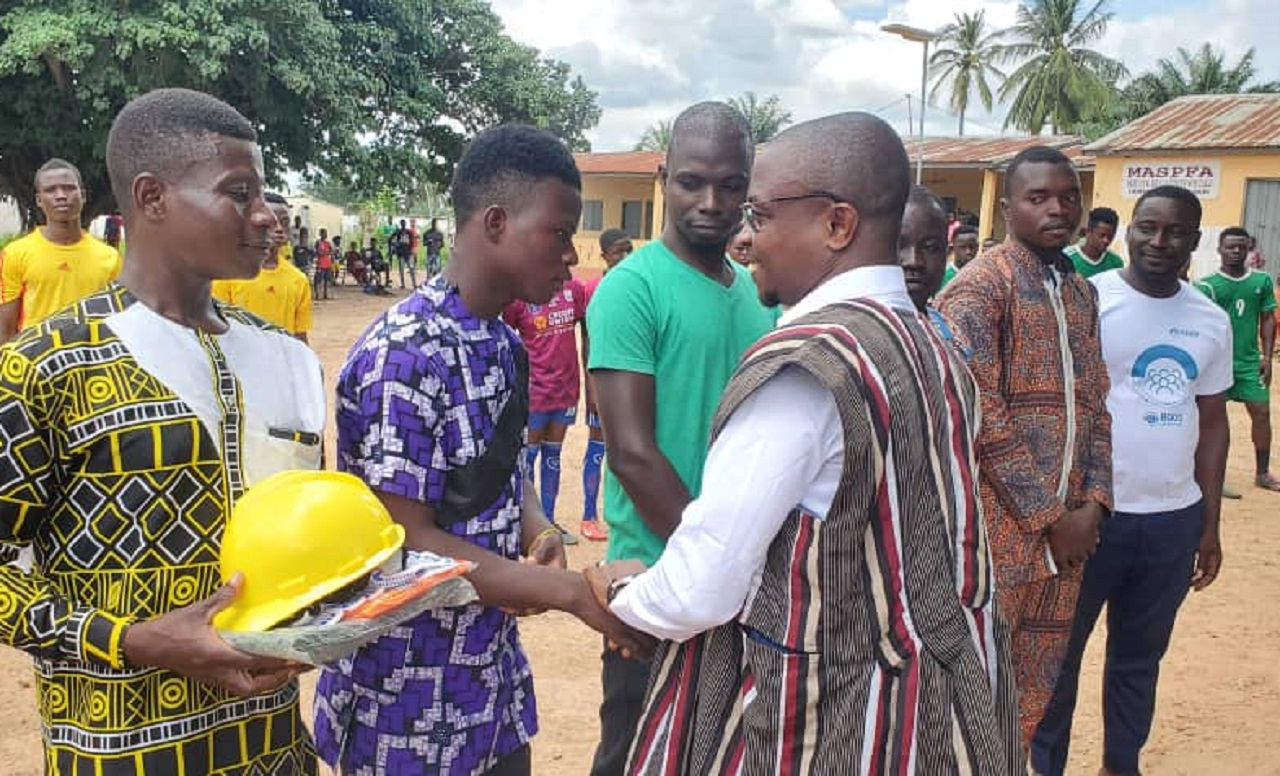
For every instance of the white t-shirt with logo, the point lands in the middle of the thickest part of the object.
(1161, 354)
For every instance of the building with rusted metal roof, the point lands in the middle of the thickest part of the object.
(1223, 147)
(622, 190)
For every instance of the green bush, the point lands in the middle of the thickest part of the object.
(5, 239)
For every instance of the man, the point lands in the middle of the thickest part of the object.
(280, 293)
(615, 245)
(433, 241)
(740, 247)
(667, 327)
(964, 249)
(1249, 300)
(1093, 256)
(1030, 323)
(1255, 259)
(113, 230)
(432, 407)
(838, 531)
(164, 407)
(1168, 350)
(922, 246)
(324, 267)
(57, 263)
(402, 253)
(549, 333)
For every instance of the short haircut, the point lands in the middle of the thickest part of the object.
(1032, 155)
(964, 230)
(502, 163)
(921, 195)
(1176, 193)
(275, 198)
(1104, 215)
(56, 164)
(1232, 231)
(718, 120)
(611, 236)
(165, 130)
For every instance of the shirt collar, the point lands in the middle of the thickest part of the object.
(882, 283)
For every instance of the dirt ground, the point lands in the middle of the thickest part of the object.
(1220, 688)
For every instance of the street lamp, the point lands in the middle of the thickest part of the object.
(917, 35)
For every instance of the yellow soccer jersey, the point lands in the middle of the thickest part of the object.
(281, 295)
(47, 276)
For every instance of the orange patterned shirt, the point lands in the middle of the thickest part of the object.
(1004, 308)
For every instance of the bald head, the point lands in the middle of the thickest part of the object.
(718, 121)
(857, 157)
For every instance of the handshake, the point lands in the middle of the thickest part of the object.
(604, 582)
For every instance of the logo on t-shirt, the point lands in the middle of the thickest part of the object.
(1163, 375)
(271, 289)
(64, 267)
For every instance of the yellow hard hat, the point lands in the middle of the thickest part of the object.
(297, 537)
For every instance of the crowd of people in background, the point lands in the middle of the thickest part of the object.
(867, 485)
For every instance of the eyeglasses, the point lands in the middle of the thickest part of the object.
(755, 219)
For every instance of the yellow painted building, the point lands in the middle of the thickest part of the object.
(619, 191)
(1224, 148)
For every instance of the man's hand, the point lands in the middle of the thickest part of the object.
(1265, 370)
(601, 578)
(1208, 560)
(547, 550)
(630, 642)
(1075, 536)
(184, 641)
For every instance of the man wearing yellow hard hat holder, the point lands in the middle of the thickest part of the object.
(432, 406)
(129, 425)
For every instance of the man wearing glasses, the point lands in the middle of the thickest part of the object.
(828, 598)
(667, 327)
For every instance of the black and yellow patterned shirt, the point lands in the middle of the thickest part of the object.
(124, 439)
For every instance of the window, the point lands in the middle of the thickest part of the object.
(648, 220)
(593, 216)
(633, 219)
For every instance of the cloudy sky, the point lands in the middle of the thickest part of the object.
(648, 59)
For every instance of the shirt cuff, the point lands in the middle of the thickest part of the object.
(96, 637)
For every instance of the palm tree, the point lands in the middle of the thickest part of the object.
(765, 117)
(1061, 81)
(656, 137)
(965, 60)
(1204, 72)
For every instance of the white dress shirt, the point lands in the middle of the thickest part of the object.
(782, 447)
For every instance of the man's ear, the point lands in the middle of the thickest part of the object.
(150, 196)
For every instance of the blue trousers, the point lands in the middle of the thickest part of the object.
(1141, 571)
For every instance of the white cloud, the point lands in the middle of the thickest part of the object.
(650, 60)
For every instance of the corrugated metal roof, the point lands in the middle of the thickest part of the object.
(988, 152)
(620, 163)
(1203, 121)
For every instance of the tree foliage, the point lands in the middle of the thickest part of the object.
(766, 117)
(656, 137)
(965, 62)
(1203, 72)
(1060, 81)
(368, 93)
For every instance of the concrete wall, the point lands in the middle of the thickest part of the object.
(612, 191)
(316, 214)
(1221, 210)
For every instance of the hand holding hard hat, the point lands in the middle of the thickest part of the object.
(324, 569)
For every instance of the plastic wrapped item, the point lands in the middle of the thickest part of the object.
(405, 586)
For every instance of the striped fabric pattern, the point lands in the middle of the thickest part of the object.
(873, 645)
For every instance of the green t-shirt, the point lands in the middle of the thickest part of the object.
(947, 276)
(656, 315)
(1246, 299)
(1087, 267)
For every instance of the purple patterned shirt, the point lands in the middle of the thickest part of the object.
(451, 691)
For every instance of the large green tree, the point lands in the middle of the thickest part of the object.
(1061, 82)
(368, 93)
(766, 117)
(1205, 71)
(965, 62)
